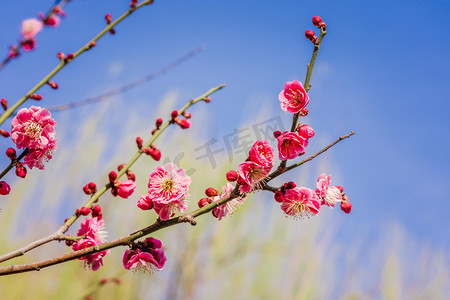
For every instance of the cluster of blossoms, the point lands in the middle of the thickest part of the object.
(32, 130)
(92, 233)
(168, 188)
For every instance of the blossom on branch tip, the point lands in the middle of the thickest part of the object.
(300, 202)
(291, 145)
(293, 97)
(147, 256)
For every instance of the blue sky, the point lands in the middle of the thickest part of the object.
(382, 71)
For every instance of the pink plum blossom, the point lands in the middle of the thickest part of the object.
(30, 28)
(329, 195)
(32, 128)
(92, 261)
(167, 210)
(93, 228)
(262, 153)
(293, 97)
(300, 202)
(126, 188)
(252, 173)
(228, 208)
(37, 157)
(167, 184)
(291, 145)
(147, 256)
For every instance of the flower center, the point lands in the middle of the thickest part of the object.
(33, 130)
(168, 185)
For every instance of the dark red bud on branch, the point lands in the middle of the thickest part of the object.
(108, 18)
(279, 197)
(211, 192)
(276, 134)
(139, 142)
(4, 103)
(184, 124)
(84, 211)
(204, 202)
(35, 97)
(21, 171)
(11, 153)
(53, 85)
(304, 112)
(310, 35)
(4, 133)
(112, 176)
(174, 114)
(159, 122)
(187, 115)
(232, 176)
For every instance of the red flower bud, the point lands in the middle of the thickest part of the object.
(316, 20)
(112, 176)
(120, 167)
(241, 181)
(11, 153)
(4, 188)
(340, 188)
(53, 85)
(276, 134)
(159, 122)
(204, 202)
(108, 18)
(131, 176)
(279, 197)
(85, 211)
(232, 176)
(112, 31)
(87, 190)
(156, 154)
(35, 97)
(139, 142)
(4, 133)
(92, 45)
(207, 99)
(174, 114)
(304, 112)
(290, 185)
(310, 35)
(69, 243)
(153, 131)
(21, 171)
(4, 103)
(187, 115)
(211, 192)
(346, 206)
(185, 124)
(60, 55)
(96, 210)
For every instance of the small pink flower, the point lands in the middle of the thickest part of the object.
(329, 195)
(4, 188)
(305, 131)
(32, 128)
(252, 173)
(145, 203)
(291, 145)
(30, 28)
(228, 208)
(92, 261)
(147, 256)
(53, 21)
(299, 202)
(262, 153)
(293, 98)
(126, 188)
(167, 210)
(28, 45)
(93, 228)
(167, 184)
(37, 157)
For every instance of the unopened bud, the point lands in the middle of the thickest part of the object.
(4, 133)
(96, 210)
(184, 124)
(21, 171)
(276, 134)
(316, 20)
(346, 206)
(156, 154)
(174, 114)
(5, 189)
(304, 112)
(290, 185)
(310, 35)
(60, 55)
(92, 45)
(207, 99)
(87, 190)
(241, 181)
(53, 85)
(11, 153)
(84, 211)
(211, 192)
(35, 97)
(204, 202)
(112, 176)
(130, 175)
(112, 31)
(120, 167)
(69, 57)
(232, 176)
(159, 122)
(187, 115)
(139, 142)
(68, 242)
(279, 197)
(4, 103)
(108, 18)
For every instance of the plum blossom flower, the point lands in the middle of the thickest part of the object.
(300, 202)
(253, 174)
(228, 208)
(30, 28)
(93, 228)
(32, 128)
(126, 188)
(92, 261)
(147, 256)
(291, 145)
(168, 183)
(262, 153)
(329, 195)
(293, 97)
(167, 210)
(37, 157)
